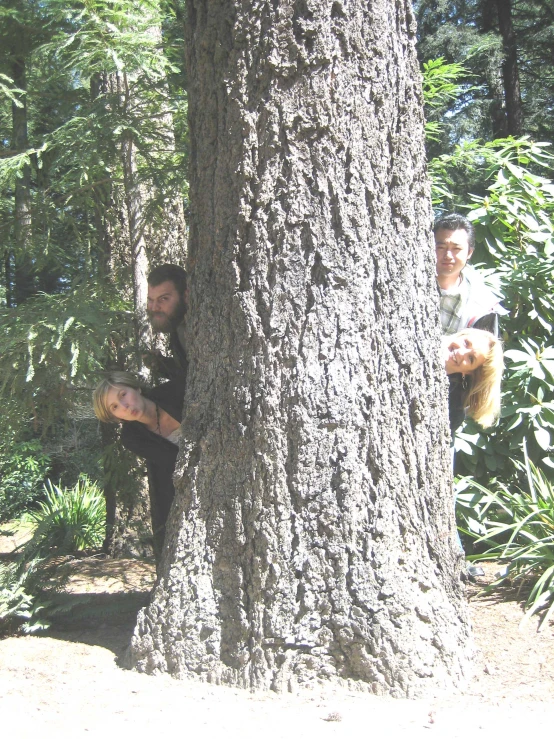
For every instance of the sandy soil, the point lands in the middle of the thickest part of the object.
(68, 682)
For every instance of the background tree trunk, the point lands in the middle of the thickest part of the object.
(313, 535)
(23, 264)
(494, 76)
(510, 71)
(135, 242)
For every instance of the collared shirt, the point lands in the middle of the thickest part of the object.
(463, 304)
(452, 304)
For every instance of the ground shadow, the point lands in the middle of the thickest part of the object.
(97, 619)
(6, 557)
(505, 592)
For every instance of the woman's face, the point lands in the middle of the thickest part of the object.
(465, 352)
(125, 403)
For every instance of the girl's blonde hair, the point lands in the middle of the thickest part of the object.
(483, 396)
(100, 394)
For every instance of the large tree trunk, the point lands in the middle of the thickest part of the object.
(312, 535)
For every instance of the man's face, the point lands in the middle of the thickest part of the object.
(452, 250)
(166, 307)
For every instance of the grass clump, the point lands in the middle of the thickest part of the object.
(517, 527)
(67, 521)
(70, 520)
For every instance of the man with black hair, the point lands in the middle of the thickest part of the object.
(166, 308)
(464, 296)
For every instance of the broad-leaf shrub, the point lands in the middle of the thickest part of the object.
(515, 225)
(512, 209)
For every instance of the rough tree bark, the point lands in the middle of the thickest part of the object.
(312, 536)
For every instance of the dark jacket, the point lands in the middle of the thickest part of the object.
(178, 352)
(173, 367)
(159, 453)
(456, 401)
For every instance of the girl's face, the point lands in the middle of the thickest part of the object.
(465, 352)
(125, 403)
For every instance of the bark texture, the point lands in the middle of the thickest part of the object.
(312, 536)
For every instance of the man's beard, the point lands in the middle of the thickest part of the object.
(164, 323)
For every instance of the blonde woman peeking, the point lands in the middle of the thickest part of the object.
(474, 362)
(151, 425)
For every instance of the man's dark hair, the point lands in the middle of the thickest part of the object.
(453, 222)
(169, 273)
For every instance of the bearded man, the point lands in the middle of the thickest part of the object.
(166, 308)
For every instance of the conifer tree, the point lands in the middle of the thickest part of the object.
(312, 533)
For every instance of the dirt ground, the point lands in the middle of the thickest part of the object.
(68, 682)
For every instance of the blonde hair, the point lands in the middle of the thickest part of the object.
(100, 394)
(483, 396)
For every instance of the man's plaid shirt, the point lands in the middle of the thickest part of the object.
(452, 304)
(463, 304)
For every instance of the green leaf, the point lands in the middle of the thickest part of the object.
(518, 356)
(542, 437)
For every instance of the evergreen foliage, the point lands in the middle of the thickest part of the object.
(441, 86)
(23, 469)
(51, 348)
(94, 82)
(92, 171)
(471, 33)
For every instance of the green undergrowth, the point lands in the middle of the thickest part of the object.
(514, 526)
(66, 522)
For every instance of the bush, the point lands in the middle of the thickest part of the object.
(517, 526)
(23, 468)
(70, 520)
(26, 589)
(514, 226)
(67, 521)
